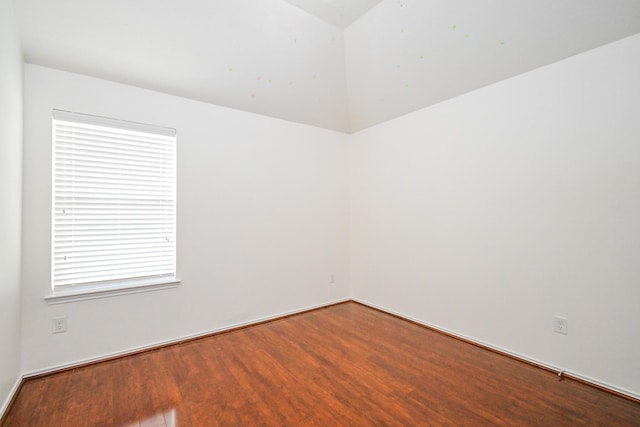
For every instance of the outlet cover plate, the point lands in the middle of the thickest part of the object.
(59, 325)
(561, 325)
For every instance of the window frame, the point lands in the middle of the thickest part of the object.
(104, 288)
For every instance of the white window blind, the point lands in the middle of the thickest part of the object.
(114, 207)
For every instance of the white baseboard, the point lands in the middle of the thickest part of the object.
(502, 350)
(151, 346)
(10, 397)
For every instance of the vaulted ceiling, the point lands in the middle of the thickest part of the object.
(338, 64)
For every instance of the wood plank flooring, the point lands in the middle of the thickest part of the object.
(344, 365)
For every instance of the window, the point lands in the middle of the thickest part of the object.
(114, 203)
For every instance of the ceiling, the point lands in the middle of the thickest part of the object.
(338, 64)
(340, 13)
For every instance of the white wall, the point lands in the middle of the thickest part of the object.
(492, 212)
(10, 199)
(262, 221)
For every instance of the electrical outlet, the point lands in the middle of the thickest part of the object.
(561, 325)
(59, 325)
(332, 279)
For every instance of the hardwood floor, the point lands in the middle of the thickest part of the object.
(342, 365)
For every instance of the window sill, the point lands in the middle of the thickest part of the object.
(105, 291)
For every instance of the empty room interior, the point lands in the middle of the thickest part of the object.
(319, 212)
